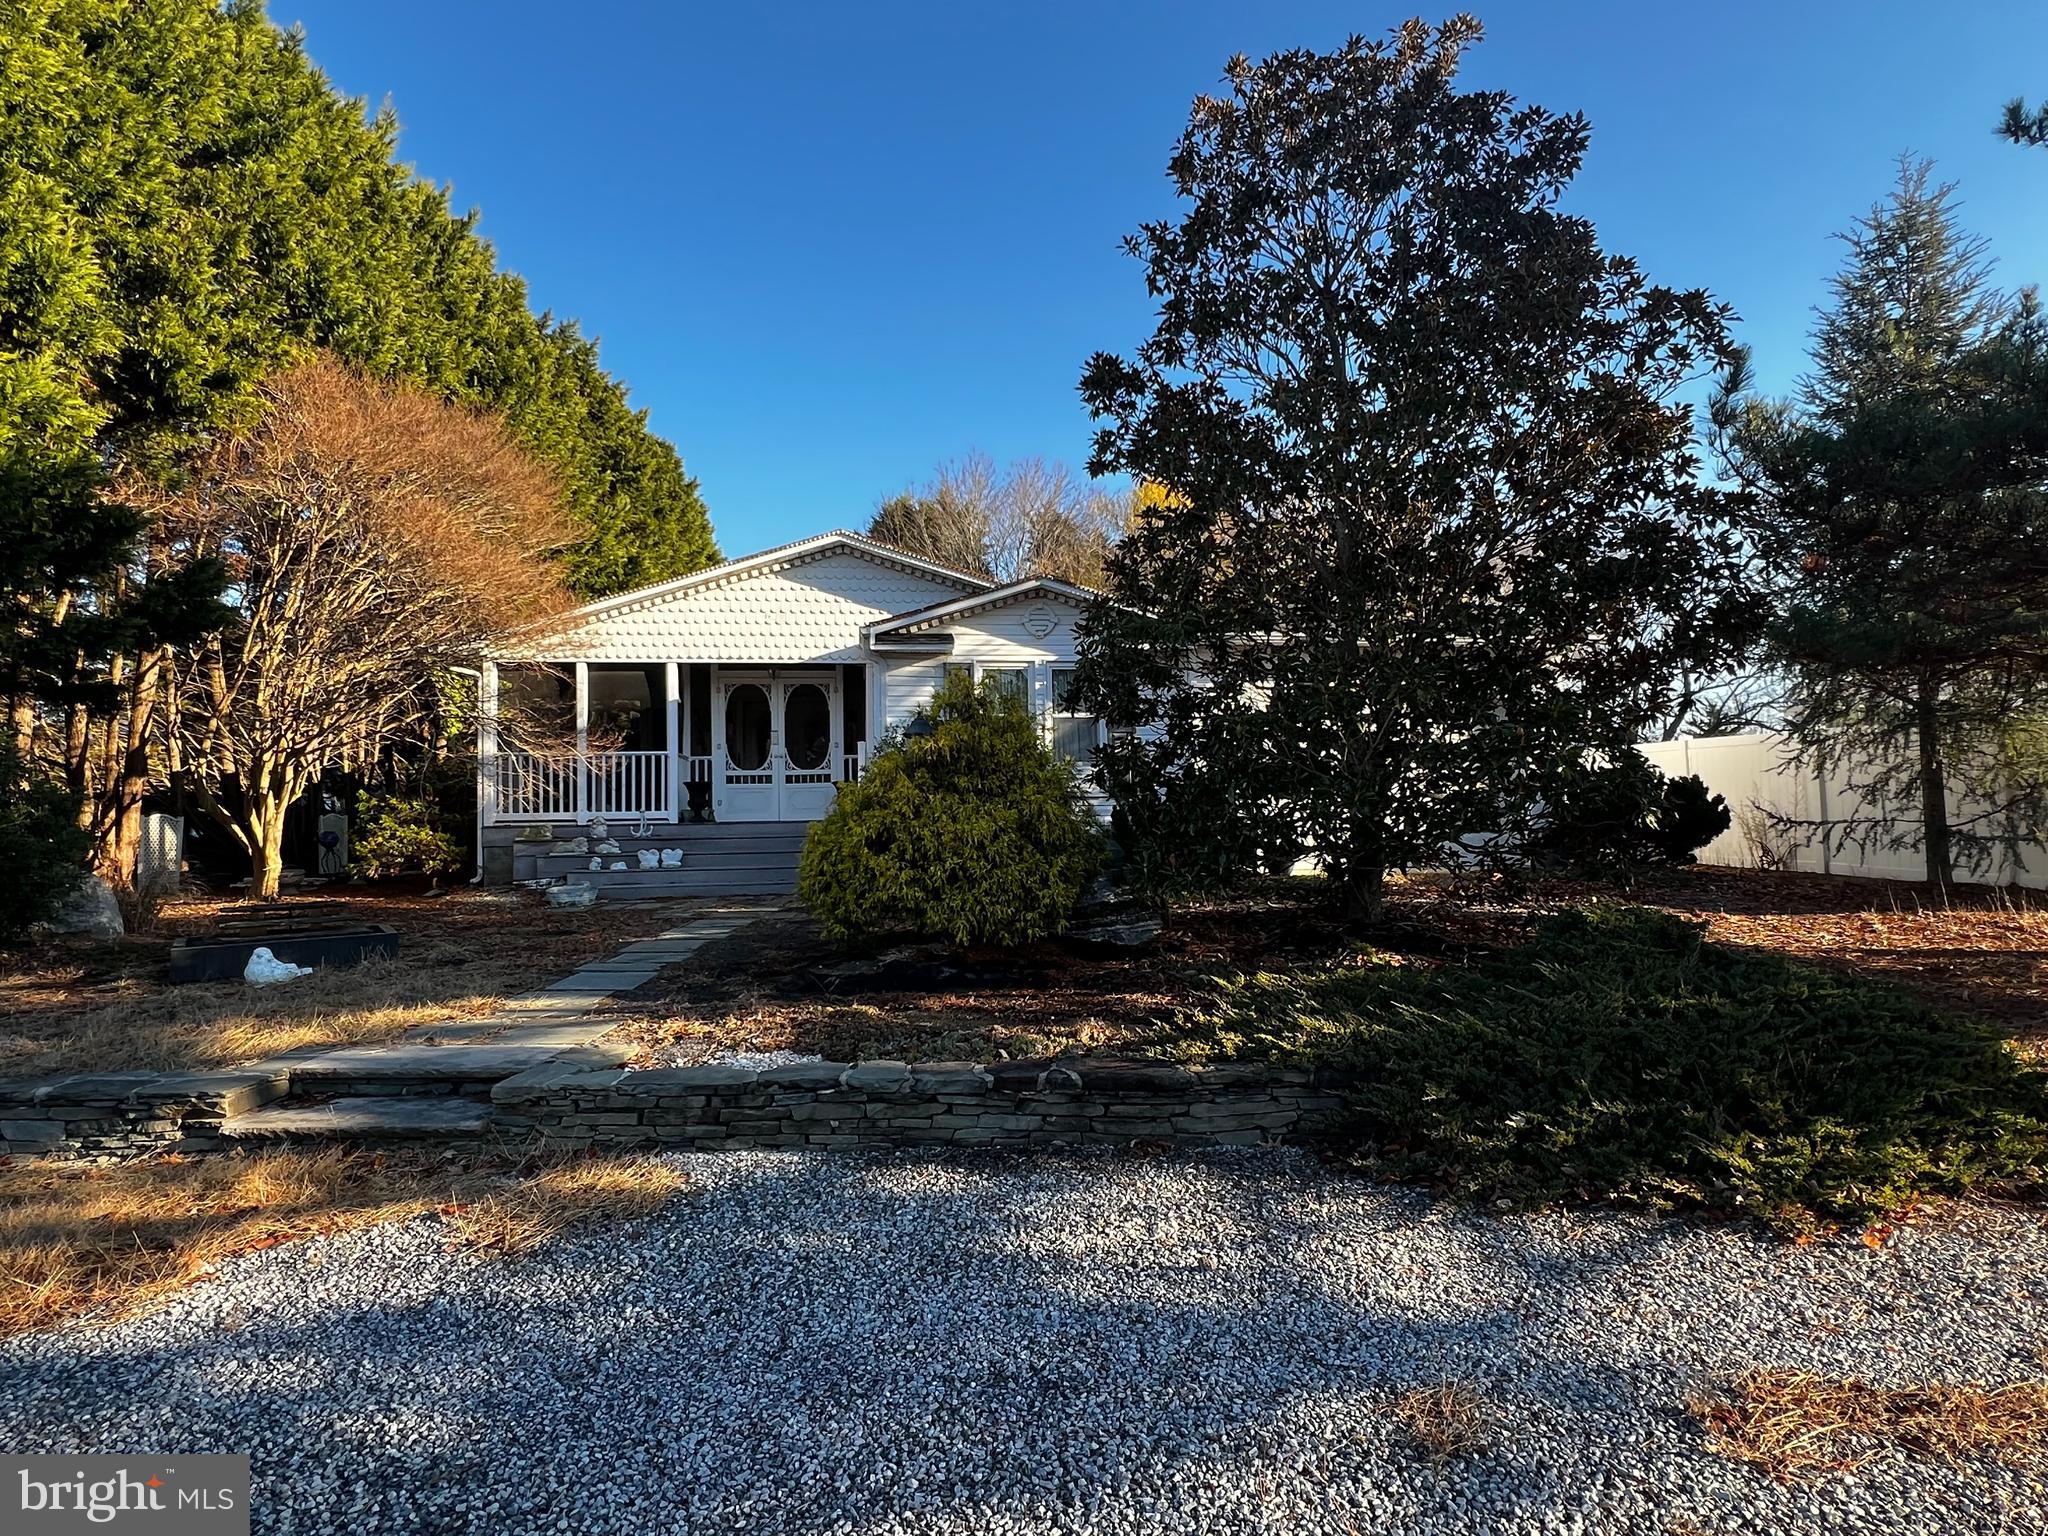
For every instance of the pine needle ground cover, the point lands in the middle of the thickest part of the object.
(1619, 1053)
(1796, 1423)
(76, 1005)
(111, 1242)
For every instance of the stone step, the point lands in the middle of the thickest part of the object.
(415, 1068)
(710, 835)
(412, 1117)
(666, 884)
(731, 858)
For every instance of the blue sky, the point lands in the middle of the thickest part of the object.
(829, 245)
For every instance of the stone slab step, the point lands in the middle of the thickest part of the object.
(363, 1119)
(719, 872)
(691, 882)
(704, 839)
(430, 1065)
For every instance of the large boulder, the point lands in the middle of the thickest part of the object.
(90, 909)
(1107, 917)
(1130, 927)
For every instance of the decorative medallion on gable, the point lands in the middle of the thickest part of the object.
(1040, 621)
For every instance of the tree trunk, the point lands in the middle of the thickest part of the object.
(130, 777)
(22, 713)
(1364, 893)
(1934, 828)
(266, 852)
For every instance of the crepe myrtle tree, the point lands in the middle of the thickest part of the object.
(1435, 530)
(373, 537)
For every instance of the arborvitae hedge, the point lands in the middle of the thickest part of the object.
(186, 202)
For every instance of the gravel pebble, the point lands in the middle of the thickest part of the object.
(760, 1061)
(857, 1345)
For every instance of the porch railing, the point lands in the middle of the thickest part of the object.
(562, 786)
(628, 784)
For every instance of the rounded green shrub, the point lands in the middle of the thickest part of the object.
(1612, 818)
(967, 829)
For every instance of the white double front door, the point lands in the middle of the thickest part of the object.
(775, 744)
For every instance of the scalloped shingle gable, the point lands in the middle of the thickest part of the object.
(811, 607)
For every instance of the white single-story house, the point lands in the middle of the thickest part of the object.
(715, 716)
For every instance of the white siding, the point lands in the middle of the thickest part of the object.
(1000, 636)
(994, 637)
(907, 687)
(811, 610)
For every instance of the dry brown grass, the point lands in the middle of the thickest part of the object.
(107, 1007)
(1446, 1420)
(1795, 1423)
(111, 1242)
(566, 1194)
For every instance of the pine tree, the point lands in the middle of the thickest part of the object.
(2022, 126)
(1898, 506)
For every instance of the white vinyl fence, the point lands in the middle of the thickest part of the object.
(1758, 776)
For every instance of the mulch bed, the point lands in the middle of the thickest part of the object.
(1972, 949)
(779, 985)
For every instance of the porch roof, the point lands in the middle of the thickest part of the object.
(805, 602)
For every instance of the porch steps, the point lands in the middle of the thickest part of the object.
(670, 884)
(719, 859)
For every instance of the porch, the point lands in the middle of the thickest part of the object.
(668, 741)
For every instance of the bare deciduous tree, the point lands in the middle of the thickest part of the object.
(373, 537)
(1033, 518)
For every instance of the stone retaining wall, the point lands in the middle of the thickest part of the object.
(106, 1116)
(578, 1101)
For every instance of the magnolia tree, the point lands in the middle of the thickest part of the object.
(1434, 533)
(372, 538)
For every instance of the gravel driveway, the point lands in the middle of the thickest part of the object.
(850, 1344)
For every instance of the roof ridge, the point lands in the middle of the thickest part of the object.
(726, 569)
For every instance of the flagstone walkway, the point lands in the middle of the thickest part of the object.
(390, 1088)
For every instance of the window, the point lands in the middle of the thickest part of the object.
(1075, 736)
(1012, 682)
(1009, 682)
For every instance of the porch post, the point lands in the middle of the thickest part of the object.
(676, 755)
(582, 741)
(487, 740)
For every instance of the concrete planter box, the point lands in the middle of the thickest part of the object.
(224, 959)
